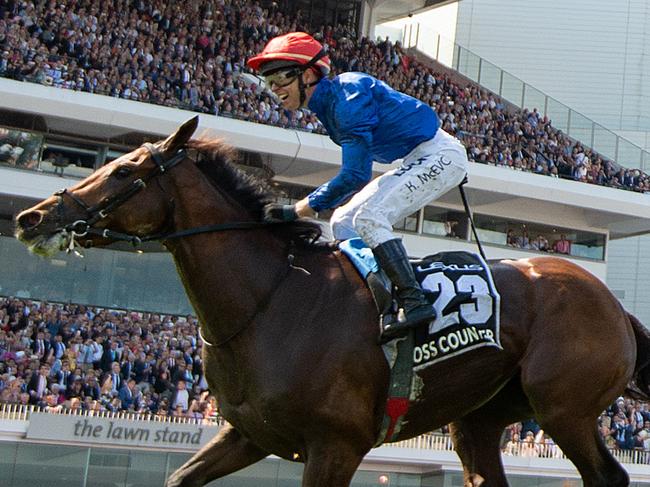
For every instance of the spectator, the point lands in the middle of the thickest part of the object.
(127, 367)
(60, 162)
(451, 228)
(530, 425)
(62, 376)
(75, 389)
(513, 445)
(51, 404)
(528, 447)
(523, 242)
(91, 387)
(195, 410)
(98, 353)
(162, 385)
(41, 347)
(110, 356)
(540, 244)
(86, 355)
(183, 372)
(58, 347)
(562, 246)
(130, 396)
(642, 436)
(112, 381)
(622, 432)
(38, 384)
(181, 397)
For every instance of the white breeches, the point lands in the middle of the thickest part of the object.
(427, 172)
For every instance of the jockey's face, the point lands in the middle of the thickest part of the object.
(286, 87)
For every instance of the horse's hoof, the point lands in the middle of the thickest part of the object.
(174, 481)
(474, 480)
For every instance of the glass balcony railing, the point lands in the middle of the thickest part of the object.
(523, 95)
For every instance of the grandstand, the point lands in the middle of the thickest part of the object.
(71, 103)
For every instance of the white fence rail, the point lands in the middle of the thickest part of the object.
(22, 412)
(428, 441)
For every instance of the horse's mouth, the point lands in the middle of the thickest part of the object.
(45, 245)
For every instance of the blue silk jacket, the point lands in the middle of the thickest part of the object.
(371, 122)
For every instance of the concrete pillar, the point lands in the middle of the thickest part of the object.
(368, 19)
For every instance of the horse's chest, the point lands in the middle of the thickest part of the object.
(268, 431)
(263, 418)
(253, 406)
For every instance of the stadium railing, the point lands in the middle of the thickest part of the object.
(521, 94)
(428, 441)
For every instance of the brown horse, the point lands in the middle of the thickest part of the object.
(293, 356)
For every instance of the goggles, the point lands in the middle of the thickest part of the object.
(283, 77)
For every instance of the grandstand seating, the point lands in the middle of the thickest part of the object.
(144, 54)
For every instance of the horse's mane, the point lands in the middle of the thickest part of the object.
(216, 161)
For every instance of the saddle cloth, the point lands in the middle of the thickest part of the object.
(459, 286)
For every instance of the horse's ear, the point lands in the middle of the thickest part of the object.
(182, 135)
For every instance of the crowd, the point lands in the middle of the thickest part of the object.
(192, 55)
(539, 243)
(76, 357)
(189, 55)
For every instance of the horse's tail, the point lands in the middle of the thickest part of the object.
(640, 386)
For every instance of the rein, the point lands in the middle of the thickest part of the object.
(81, 228)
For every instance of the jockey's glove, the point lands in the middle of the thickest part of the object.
(277, 213)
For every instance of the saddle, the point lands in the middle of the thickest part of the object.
(460, 286)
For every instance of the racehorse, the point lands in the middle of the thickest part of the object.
(291, 329)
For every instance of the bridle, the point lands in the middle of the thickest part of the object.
(96, 213)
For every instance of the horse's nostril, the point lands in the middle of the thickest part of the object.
(30, 219)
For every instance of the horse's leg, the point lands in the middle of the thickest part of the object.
(476, 440)
(477, 436)
(331, 465)
(582, 444)
(225, 453)
(571, 379)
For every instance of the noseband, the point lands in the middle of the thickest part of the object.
(96, 213)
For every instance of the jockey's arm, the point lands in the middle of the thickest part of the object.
(356, 171)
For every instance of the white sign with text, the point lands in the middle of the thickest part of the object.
(119, 432)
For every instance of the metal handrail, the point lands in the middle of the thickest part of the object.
(576, 125)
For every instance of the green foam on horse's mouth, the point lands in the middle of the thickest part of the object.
(47, 246)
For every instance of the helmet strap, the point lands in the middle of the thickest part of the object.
(302, 86)
(311, 64)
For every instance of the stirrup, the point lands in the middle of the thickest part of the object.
(396, 325)
(392, 331)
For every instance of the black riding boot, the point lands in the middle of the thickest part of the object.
(393, 259)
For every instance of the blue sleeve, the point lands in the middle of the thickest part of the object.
(355, 118)
(355, 173)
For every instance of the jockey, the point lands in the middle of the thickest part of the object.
(371, 122)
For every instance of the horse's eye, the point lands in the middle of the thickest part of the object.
(122, 172)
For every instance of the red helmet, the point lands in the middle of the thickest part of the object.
(291, 49)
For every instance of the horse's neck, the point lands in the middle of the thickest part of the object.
(227, 275)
